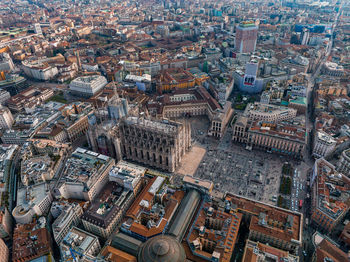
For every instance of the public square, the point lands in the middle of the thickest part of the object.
(232, 168)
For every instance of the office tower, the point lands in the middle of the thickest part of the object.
(246, 37)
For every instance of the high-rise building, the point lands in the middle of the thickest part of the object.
(246, 37)
(305, 36)
(37, 29)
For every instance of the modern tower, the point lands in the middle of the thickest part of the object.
(246, 37)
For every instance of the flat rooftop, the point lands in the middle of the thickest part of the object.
(84, 165)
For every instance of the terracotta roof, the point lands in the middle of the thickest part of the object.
(327, 249)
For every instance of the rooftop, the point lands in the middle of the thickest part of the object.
(84, 166)
(148, 216)
(213, 233)
(106, 205)
(30, 242)
(255, 252)
(267, 219)
(332, 195)
(79, 240)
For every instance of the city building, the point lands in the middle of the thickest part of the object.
(33, 96)
(69, 217)
(324, 144)
(85, 174)
(298, 103)
(330, 195)
(269, 113)
(175, 78)
(101, 139)
(127, 175)
(247, 78)
(6, 63)
(4, 251)
(326, 251)
(116, 255)
(107, 210)
(39, 70)
(79, 244)
(74, 119)
(282, 138)
(34, 200)
(332, 69)
(13, 83)
(37, 29)
(193, 102)
(255, 252)
(246, 37)
(343, 165)
(30, 242)
(160, 143)
(152, 210)
(87, 86)
(5, 223)
(6, 118)
(269, 225)
(37, 169)
(4, 96)
(204, 239)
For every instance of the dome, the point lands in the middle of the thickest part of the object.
(161, 248)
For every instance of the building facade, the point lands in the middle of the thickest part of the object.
(343, 165)
(274, 138)
(69, 217)
(329, 197)
(246, 37)
(324, 144)
(160, 144)
(87, 86)
(6, 119)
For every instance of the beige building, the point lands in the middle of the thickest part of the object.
(160, 143)
(6, 118)
(69, 217)
(343, 165)
(324, 144)
(274, 138)
(270, 113)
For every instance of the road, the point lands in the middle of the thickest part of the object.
(13, 182)
(300, 177)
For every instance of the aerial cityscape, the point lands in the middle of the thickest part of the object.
(174, 130)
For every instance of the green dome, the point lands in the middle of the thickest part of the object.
(161, 248)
